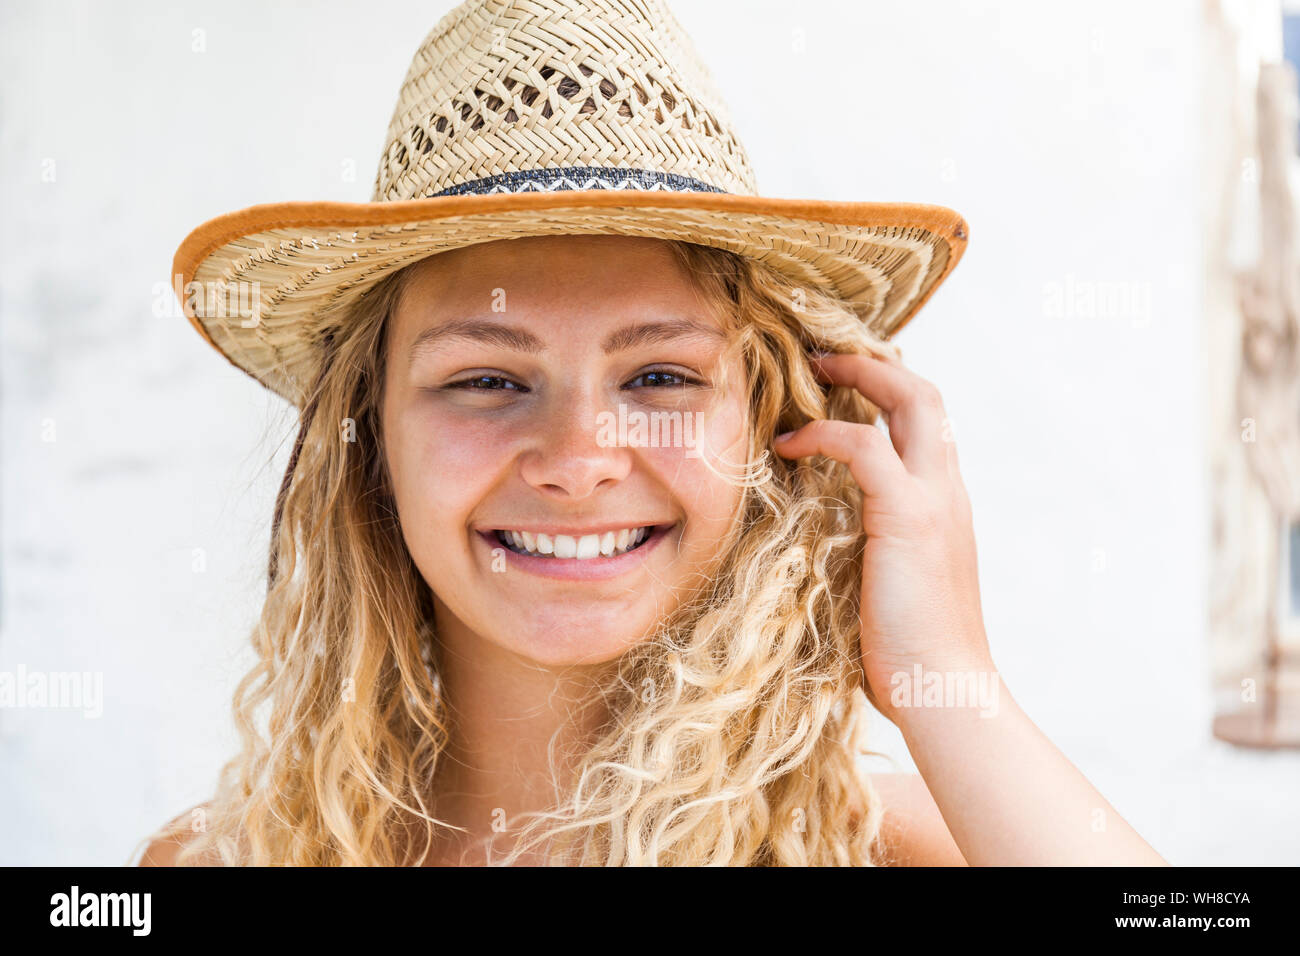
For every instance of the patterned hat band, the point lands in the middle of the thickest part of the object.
(556, 179)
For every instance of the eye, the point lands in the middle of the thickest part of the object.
(487, 383)
(660, 378)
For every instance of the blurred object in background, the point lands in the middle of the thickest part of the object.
(1253, 303)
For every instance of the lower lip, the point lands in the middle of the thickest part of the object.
(580, 569)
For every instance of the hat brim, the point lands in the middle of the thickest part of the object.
(305, 262)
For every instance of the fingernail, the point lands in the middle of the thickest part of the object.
(783, 436)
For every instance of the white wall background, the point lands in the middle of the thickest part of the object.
(1067, 134)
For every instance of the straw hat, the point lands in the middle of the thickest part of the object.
(542, 117)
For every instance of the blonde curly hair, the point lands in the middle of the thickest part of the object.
(736, 725)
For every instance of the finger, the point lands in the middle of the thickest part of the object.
(912, 405)
(950, 449)
(872, 461)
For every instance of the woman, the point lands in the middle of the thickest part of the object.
(588, 552)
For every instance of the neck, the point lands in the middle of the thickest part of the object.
(515, 726)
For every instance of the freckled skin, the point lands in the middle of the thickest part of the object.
(502, 457)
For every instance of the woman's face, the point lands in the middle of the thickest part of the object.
(528, 384)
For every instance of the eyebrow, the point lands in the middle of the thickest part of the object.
(484, 332)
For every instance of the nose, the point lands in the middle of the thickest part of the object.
(567, 458)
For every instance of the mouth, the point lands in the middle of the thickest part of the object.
(609, 544)
(588, 557)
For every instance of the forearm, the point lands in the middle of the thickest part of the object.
(1008, 796)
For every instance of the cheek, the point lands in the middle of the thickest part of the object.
(697, 477)
(441, 469)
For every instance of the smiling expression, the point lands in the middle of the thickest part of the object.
(506, 366)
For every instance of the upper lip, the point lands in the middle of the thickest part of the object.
(571, 530)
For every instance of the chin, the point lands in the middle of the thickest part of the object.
(569, 639)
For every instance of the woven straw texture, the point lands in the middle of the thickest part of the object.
(544, 117)
(505, 86)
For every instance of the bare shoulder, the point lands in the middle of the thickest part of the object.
(166, 843)
(913, 830)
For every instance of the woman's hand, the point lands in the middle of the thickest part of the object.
(920, 586)
(1008, 796)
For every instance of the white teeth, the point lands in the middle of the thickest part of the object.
(609, 544)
